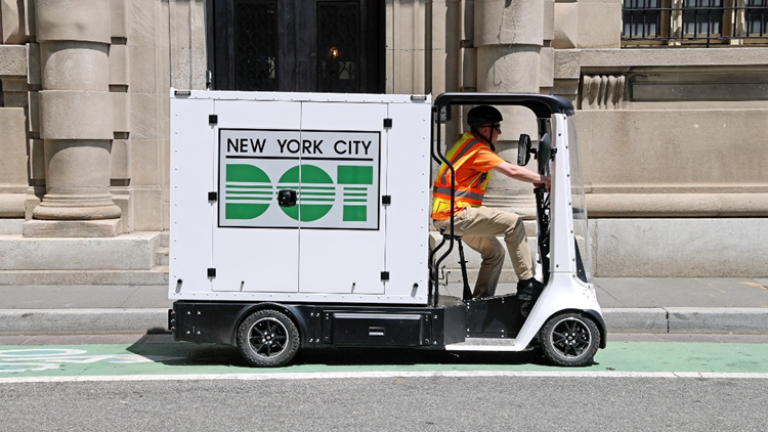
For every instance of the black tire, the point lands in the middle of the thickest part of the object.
(268, 338)
(569, 339)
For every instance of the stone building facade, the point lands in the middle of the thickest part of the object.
(673, 128)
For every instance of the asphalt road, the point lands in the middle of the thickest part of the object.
(390, 404)
(639, 383)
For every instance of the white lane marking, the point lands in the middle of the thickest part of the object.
(382, 374)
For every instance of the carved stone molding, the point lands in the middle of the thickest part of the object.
(602, 92)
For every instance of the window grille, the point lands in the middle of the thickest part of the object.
(694, 22)
(256, 45)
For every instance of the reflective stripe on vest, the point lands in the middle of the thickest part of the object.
(465, 195)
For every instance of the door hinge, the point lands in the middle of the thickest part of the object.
(387, 123)
(211, 272)
(386, 199)
(213, 196)
(385, 276)
(213, 119)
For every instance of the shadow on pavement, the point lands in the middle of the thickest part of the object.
(188, 354)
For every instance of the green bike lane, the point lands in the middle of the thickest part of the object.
(188, 361)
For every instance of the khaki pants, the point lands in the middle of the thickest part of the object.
(478, 227)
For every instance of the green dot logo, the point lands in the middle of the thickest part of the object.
(248, 192)
(315, 195)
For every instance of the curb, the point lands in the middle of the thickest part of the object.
(31, 322)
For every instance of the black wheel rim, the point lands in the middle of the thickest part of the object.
(571, 337)
(268, 337)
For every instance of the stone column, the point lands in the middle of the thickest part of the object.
(508, 37)
(75, 118)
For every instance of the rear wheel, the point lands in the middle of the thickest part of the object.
(570, 339)
(268, 338)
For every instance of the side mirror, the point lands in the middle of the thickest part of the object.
(523, 150)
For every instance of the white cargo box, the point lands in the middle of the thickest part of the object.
(360, 167)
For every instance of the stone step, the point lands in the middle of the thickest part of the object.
(164, 239)
(156, 276)
(11, 226)
(161, 256)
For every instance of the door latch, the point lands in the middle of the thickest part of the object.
(287, 198)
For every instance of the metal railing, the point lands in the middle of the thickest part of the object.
(698, 22)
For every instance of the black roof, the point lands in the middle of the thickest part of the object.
(542, 105)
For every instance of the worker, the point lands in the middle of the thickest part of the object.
(473, 158)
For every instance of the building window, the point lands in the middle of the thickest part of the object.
(256, 45)
(694, 22)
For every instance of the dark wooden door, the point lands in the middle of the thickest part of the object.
(297, 45)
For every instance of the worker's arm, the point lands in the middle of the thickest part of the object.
(522, 173)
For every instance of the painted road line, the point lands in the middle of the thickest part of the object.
(380, 375)
(180, 359)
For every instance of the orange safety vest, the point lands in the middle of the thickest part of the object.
(469, 194)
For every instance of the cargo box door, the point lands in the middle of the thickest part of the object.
(341, 240)
(256, 240)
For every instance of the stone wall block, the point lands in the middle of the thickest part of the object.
(181, 23)
(599, 24)
(64, 161)
(163, 18)
(13, 60)
(549, 20)
(12, 205)
(503, 68)
(143, 115)
(13, 147)
(36, 160)
(566, 26)
(163, 71)
(120, 112)
(118, 18)
(17, 19)
(440, 21)
(91, 120)
(389, 20)
(142, 72)
(141, 22)
(409, 25)
(145, 163)
(33, 115)
(408, 71)
(469, 68)
(567, 64)
(123, 198)
(15, 91)
(187, 70)
(196, 23)
(389, 71)
(75, 65)
(509, 22)
(120, 159)
(681, 247)
(73, 20)
(676, 151)
(148, 204)
(547, 69)
(119, 66)
(34, 70)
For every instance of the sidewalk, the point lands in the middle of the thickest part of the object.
(630, 305)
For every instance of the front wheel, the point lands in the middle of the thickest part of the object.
(570, 339)
(268, 338)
